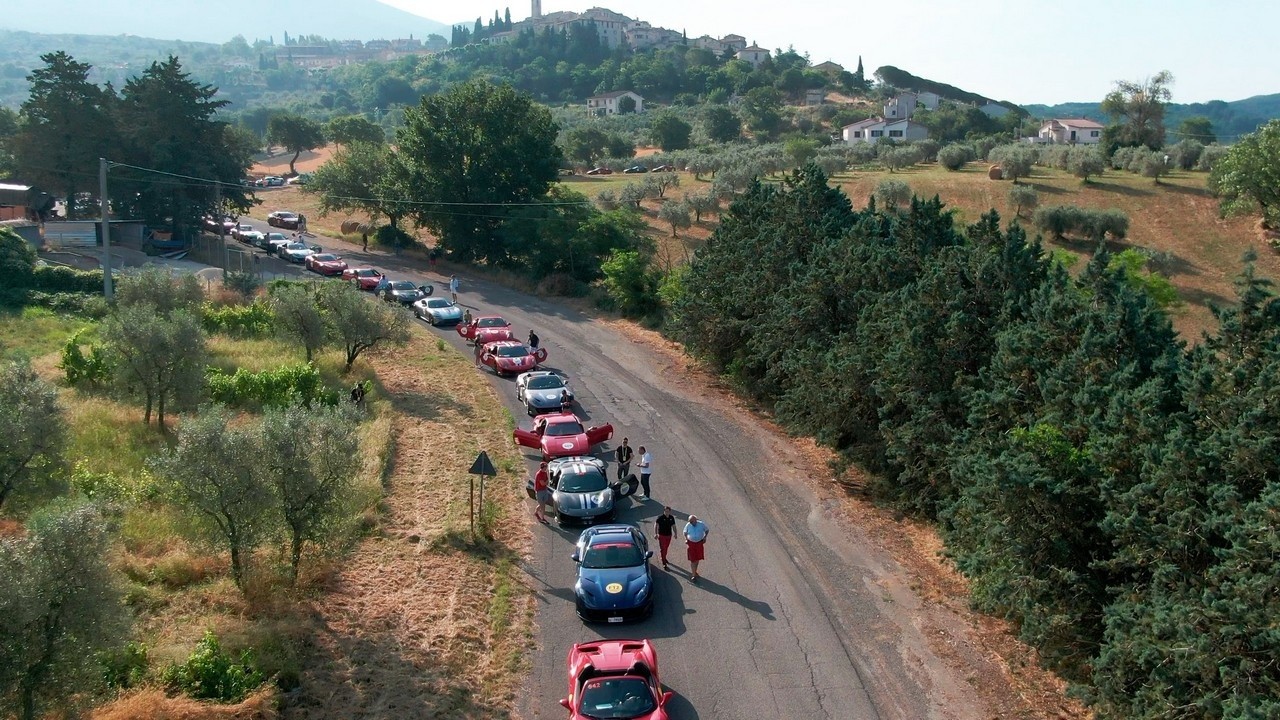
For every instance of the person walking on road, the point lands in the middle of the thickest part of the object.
(541, 493)
(453, 287)
(664, 526)
(479, 352)
(533, 339)
(695, 536)
(646, 467)
(432, 257)
(623, 455)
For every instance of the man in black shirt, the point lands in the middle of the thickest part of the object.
(623, 456)
(664, 526)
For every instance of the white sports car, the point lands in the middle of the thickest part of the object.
(543, 391)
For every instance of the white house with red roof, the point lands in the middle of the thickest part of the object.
(1071, 131)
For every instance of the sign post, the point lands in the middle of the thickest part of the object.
(482, 466)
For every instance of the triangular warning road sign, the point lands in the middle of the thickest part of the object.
(482, 465)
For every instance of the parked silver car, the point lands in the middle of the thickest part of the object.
(437, 310)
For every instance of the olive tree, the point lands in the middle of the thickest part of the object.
(1248, 177)
(156, 356)
(892, 193)
(311, 456)
(1023, 198)
(1015, 161)
(59, 608)
(214, 473)
(297, 316)
(675, 214)
(1084, 162)
(32, 431)
(358, 324)
(703, 203)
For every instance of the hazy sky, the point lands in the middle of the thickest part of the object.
(1019, 50)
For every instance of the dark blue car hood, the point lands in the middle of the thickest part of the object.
(594, 583)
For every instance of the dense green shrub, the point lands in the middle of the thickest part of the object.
(211, 674)
(58, 279)
(253, 320)
(124, 667)
(630, 285)
(81, 368)
(393, 237)
(79, 304)
(244, 283)
(270, 388)
(954, 156)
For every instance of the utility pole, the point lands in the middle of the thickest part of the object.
(218, 216)
(106, 227)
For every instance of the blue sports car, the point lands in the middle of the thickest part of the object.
(614, 582)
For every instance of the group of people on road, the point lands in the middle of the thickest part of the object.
(695, 530)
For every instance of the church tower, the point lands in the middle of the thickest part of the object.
(537, 9)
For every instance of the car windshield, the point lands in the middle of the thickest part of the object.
(439, 303)
(512, 351)
(617, 697)
(491, 322)
(326, 257)
(560, 429)
(275, 236)
(620, 554)
(588, 481)
(403, 285)
(546, 382)
(367, 272)
(296, 246)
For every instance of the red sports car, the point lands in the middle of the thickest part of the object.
(365, 278)
(486, 329)
(511, 357)
(326, 264)
(615, 679)
(561, 435)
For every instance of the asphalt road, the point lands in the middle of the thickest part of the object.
(794, 617)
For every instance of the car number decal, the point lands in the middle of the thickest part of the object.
(567, 446)
(613, 588)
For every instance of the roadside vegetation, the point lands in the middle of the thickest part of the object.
(186, 554)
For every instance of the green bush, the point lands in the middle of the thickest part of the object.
(211, 674)
(125, 667)
(244, 283)
(270, 388)
(80, 368)
(954, 156)
(253, 320)
(68, 303)
(58, 279)
(630, 285)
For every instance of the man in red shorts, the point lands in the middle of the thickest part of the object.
(695, 535)
(664, 526)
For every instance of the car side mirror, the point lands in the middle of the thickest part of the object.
(666, 697)
(565, 702)
(648, 554)
(574, 557)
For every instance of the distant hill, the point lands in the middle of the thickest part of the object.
(218, 22)
(902, 79)
(1230, 119)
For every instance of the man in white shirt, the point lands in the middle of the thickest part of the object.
(695, 536)
(646, 467)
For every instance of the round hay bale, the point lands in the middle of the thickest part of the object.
(350, 226)
(995, 173)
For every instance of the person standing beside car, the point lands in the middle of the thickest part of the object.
(541, 494)
(646, 467)
(664, 526)
(453, 287)
(623, 455)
